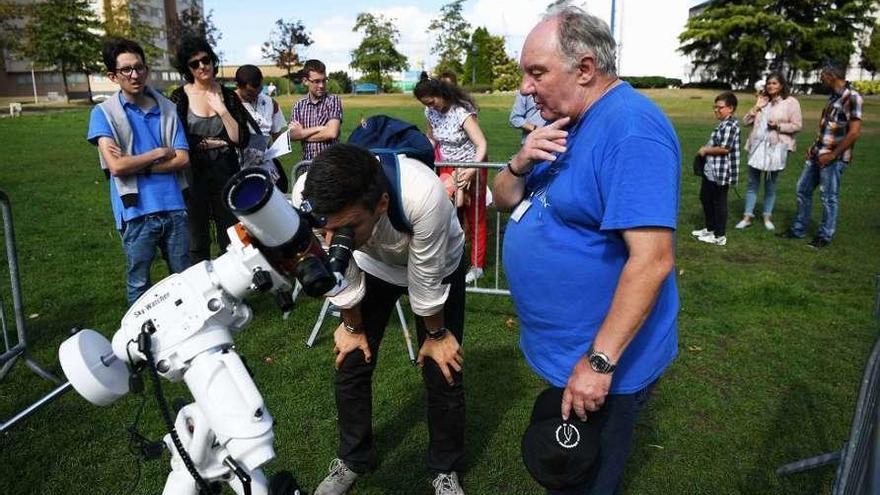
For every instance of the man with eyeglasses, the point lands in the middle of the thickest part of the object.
(143, 151)
(316, 119)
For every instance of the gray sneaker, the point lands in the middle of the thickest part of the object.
(339, 481)
(446, 484)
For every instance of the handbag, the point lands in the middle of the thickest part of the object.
(699, 164)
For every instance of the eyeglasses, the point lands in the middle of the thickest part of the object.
(317, 81)
(129, 69)
(206, 61)
(719, 107)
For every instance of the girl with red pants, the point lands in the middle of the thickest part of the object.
(453, 128)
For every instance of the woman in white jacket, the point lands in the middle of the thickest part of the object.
(775, 119)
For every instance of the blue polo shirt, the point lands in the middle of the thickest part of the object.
(157, 192)
(564, 256)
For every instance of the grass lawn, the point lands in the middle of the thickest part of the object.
(773, 336)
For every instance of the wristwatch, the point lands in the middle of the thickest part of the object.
(600, 362)
(437, 334)
(352, 329)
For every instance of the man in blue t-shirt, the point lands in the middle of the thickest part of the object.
(588, 250)
(143, 150)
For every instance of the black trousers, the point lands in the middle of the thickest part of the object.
(446, 410)
(205, 206)
(714, 200)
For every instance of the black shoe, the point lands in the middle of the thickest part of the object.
(818, 243)
(789, 234)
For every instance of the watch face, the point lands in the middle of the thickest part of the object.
(599, 364)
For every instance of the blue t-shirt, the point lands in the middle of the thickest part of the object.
(158, 191)
(564, 256)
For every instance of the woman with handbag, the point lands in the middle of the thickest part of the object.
(775, 119)
(216, 128)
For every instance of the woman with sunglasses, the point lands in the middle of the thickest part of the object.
(216, 127)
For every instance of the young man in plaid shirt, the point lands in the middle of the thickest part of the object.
(316, 118)
(720, 171)
(839, 128)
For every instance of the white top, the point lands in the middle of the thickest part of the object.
(448, 129)
(267, 114)
(420, 261)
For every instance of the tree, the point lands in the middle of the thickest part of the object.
(486, 53)
(451, 41)
(126, 20)
(283, 40)
(62, 33)
(345, 83)
(870, 60)
(193, 22)
(738, 40)
(11, 16)
(376, 55)
(507, 76)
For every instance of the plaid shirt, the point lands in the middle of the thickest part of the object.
(311, 114)
(841, 108)
(724, 169)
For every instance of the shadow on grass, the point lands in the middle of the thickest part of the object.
(785, 443)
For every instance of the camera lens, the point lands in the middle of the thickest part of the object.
(341, 245)
(314, 277)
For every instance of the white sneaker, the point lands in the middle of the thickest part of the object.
(700, 233)
(447, 484)
(743, 224)
(768, 224)
(339, 481)
(711, 239)
(473, 274)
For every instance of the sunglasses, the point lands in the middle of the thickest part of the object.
(194, 64)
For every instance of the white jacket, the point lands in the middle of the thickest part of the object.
(420, 261)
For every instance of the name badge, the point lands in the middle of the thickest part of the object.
(521, 209)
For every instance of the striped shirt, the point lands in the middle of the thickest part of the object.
(842, 107)
(724, 169)
(317, 113)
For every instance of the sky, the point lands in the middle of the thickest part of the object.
(647, 30)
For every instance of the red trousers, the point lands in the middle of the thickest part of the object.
(472, 214)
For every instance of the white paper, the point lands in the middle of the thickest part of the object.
(280, 147)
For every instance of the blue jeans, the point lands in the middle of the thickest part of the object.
(828, 181)
(617, 420)
(141, 236)
(769, 191)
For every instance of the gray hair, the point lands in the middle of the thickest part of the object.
(835, 70)
(580, 34)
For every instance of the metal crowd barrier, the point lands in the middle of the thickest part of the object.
(15, 344)
(496, 289)
(858, 462)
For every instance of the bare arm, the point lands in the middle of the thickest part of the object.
(507, 189)
(326, 132)
(713, 150)
(651, 259)
(121, 165)
(475, 134)
(215, 100)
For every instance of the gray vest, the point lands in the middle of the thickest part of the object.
(127, 186)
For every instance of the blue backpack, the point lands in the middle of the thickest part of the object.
(386, 137)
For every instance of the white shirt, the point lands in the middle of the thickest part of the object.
(420, 261)
(267, 114)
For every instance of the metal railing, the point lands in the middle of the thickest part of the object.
(858, 462)
(496, 289)
(15, 344)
